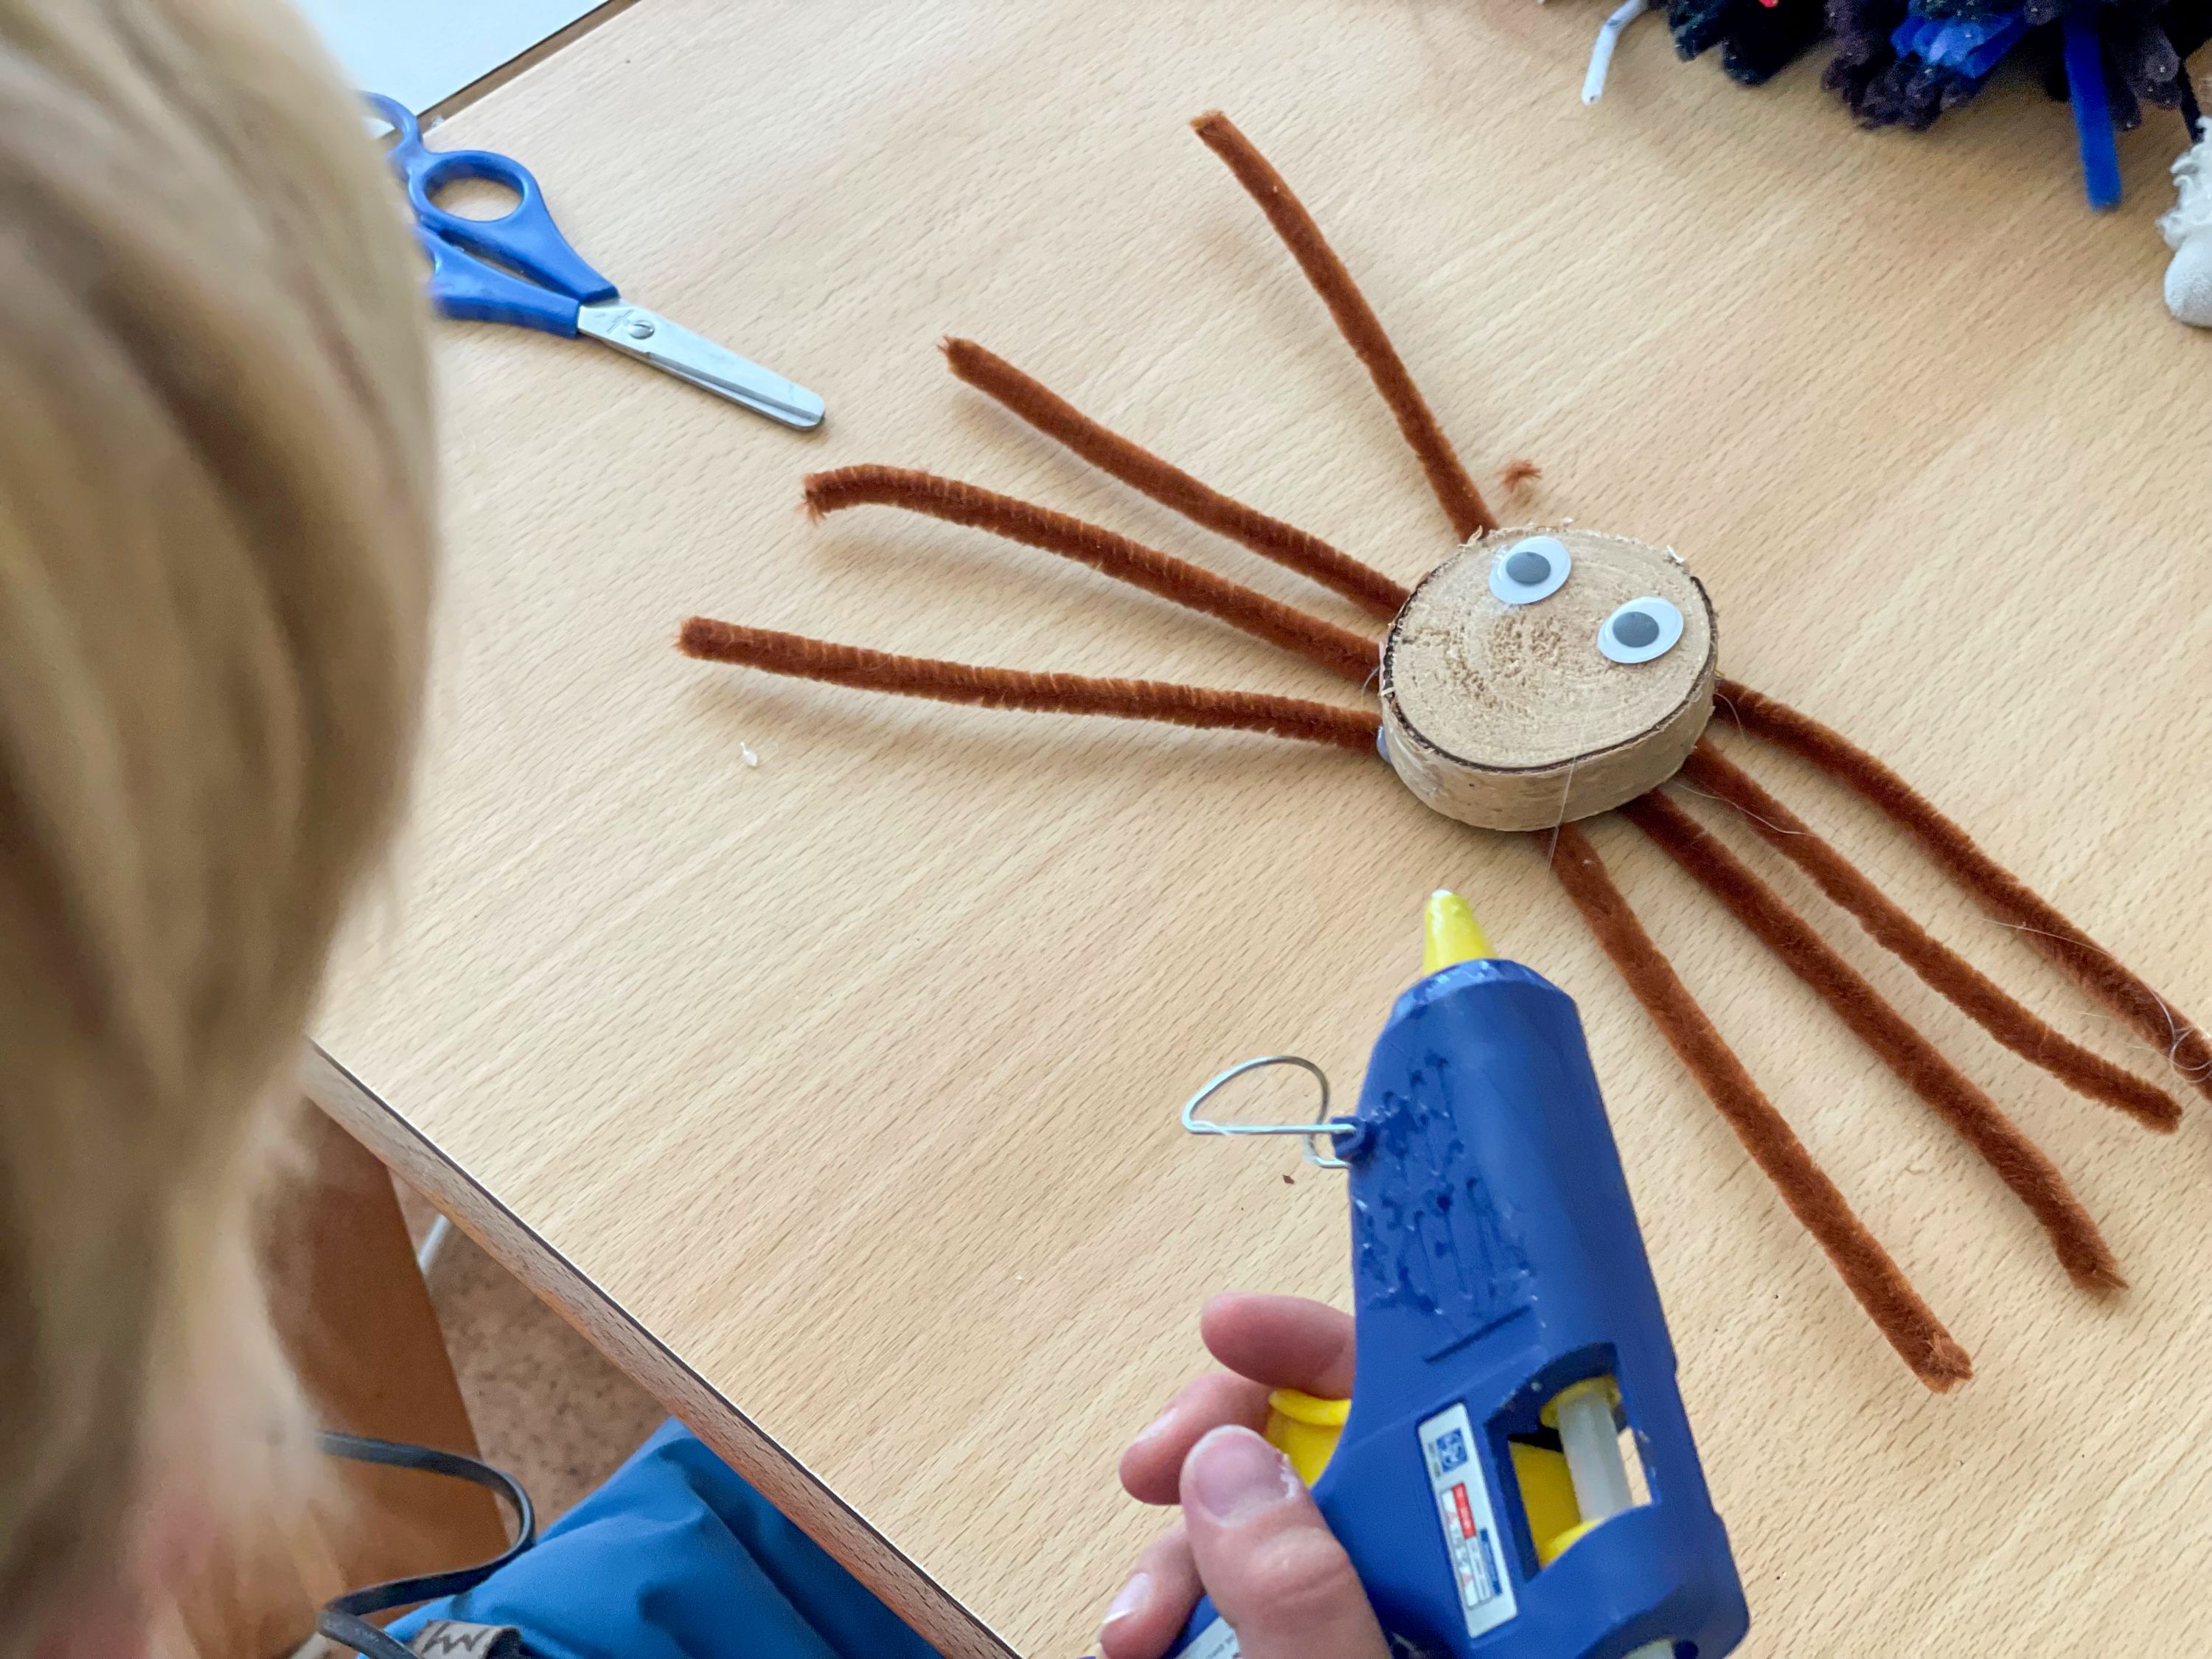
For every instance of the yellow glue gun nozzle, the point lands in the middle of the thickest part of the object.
(1449, 932)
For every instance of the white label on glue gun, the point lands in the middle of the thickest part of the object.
(1216, 1641)
(1486, 1593)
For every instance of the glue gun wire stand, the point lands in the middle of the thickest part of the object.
(1509, 1334)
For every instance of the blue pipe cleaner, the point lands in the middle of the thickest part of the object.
(2092, 110)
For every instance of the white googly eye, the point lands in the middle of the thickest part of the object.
(1640, 630)
(1532, 568)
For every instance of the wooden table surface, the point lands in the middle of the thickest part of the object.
(836, 1095)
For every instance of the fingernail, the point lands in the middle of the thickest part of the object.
(1235, 1475)
(1152, 1428)
(1130, 1598)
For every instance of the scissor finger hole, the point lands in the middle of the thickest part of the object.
(476, 198)
(473, 184)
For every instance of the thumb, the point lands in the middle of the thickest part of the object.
(1274, 1570)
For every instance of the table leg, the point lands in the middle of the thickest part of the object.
(356, 1322)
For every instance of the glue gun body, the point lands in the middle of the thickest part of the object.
(1508, 1333)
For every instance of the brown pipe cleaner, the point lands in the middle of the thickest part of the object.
(1169, 485)
(1338, 649)
(1355, 319)
(801, 657)
(2018, 1161)
(1867, 1270)
(1944, 970)
(1992, 886)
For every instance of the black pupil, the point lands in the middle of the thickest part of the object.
(1635, 629)
(1529, 570)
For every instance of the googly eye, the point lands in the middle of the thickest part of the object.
(1532, 568)
(1640, 630)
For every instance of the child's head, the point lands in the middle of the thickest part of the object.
(215, 537)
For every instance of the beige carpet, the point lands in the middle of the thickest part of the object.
(546, 1407)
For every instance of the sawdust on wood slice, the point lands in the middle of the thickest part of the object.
(1509, 717)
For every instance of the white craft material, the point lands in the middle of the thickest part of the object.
(2187, 228)
(1608, 37)
(423, 52)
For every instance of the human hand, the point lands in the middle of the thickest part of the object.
(1249, 1535)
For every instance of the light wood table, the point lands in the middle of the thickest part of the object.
(836, 1096)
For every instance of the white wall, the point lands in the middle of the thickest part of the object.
(421, 52)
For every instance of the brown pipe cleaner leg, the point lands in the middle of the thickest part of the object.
(1169, 485)
(1942, 968)
(1867, 1269)
(1355, 319)
(2018, 1161)
(801, 657)
(1336, 648)
(1992, 886)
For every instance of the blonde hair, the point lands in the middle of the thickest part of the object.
(214, 542)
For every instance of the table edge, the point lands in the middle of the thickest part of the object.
(801, 1495)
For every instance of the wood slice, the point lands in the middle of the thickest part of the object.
(1509, 716)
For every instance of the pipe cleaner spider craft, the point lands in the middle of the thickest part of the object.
(1534, 679)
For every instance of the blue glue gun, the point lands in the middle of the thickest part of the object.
(1514, 1382)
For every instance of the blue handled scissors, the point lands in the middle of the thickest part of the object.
(546, 284)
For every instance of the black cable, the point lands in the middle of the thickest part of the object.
(346, 1620)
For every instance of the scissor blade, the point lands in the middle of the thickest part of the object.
(651, 338)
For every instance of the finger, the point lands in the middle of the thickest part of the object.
(1274, 1570)
(1151, 1465)
(1149, 1611)
(1284, 1341)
